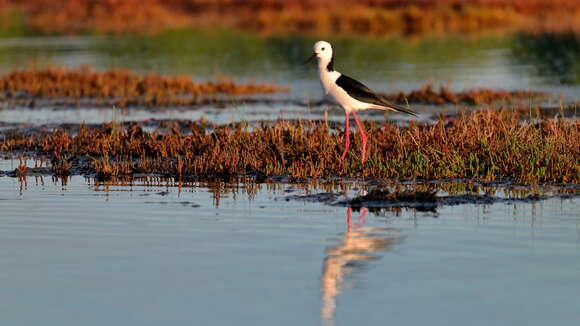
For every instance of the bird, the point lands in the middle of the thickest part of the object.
(350, 94)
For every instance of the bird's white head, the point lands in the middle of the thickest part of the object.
(323, 51)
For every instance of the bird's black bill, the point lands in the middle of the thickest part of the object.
(310, 58)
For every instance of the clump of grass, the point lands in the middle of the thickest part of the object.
(119, 85)
(484, 145)
(106, 168)
(445, 94)
(61, 167)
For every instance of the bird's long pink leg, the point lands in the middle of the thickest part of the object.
(361, 217)
(363, 137)
(348, 210)
(347, 141)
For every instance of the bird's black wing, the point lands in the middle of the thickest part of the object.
(364, 94)
(358, 90)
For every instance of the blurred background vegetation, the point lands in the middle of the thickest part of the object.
(396, 44)
(320, 17)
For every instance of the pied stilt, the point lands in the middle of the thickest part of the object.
(350, 94)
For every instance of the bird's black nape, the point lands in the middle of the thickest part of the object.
(330, 65)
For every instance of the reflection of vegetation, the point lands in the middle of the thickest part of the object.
(206, 53)
(203, 53)
(554, 55)
(374, 54)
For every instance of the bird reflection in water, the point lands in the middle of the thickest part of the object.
(356, 246)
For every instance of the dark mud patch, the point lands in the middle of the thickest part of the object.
(180, 203)
(28, 172)
(328, 198)
(424, 200)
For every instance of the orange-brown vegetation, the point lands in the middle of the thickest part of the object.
(120, 85)
(472, 97)
(100, 16)
(369, 17)
(483, 145)
(122, 88)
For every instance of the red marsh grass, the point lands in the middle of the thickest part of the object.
(427, 95)
(103, 16)
(484, 145)
(123, 86)
(368, 17)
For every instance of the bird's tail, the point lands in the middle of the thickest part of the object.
(397, 108)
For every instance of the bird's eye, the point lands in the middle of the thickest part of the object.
(322, 49)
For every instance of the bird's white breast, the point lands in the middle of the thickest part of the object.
(328, 80)
(337, 94)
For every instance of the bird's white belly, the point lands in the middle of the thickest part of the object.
(348, 103)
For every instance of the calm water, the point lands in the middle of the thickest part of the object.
(510, 62)
(151, 253)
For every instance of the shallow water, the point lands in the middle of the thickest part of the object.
(545, 63)
(18, 116)
(152, 253)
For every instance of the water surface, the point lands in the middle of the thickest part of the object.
(543, 63)
(152, 252)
